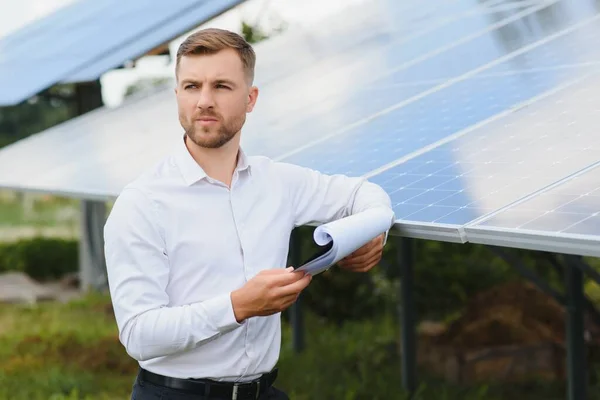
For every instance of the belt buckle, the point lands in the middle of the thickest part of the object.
(234, 395)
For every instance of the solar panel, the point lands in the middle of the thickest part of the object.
(367, 43)
(411, 118)
(188, 19)
(95, 155)
(73, 169)
(91, 37)
(331, 95)
(496, 165)
(564, 218)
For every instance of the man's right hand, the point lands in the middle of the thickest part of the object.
(269, 292)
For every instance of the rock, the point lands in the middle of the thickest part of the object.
(17, 287)
(70, 280)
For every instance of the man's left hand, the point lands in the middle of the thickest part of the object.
(364, 258)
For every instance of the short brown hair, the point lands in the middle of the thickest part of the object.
(213, 40)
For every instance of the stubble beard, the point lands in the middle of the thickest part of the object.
(211, 138)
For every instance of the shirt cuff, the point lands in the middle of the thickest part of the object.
(220, 312)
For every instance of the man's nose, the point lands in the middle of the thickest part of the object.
(205, 99)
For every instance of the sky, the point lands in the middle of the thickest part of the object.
(15, 14)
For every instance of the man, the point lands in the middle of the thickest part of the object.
(196, 248)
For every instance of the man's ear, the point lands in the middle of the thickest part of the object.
(252, 97)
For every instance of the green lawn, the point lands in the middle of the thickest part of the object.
(44, 211)
(71, 351)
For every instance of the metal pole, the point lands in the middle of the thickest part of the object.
(296, 309)
(576, 359)
(407, 316)
(92, 265)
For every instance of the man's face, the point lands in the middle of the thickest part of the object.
(213, 97)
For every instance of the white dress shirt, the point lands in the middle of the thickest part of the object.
(177, 244)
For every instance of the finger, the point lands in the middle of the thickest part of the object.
(294, 287)
(289, 300)
(365, 268)
(356, 256)
(364, 264)
(362, 268)
(285, 277)
(373, 259)
(364, 258)
(375, 243)
(276, 271)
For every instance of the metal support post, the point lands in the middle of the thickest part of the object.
(576, 357)
(92, 264)
(296, 308)
(407, 315)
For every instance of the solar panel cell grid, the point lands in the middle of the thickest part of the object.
(572, 207)
(407, 124)
(494, 166)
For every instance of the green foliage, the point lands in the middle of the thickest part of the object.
(252, 34)
(446, 275)
(71, 352)
(46, 211)
(40, 258)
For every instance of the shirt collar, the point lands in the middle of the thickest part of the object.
(192, 172)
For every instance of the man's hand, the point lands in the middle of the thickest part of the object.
(269, 292)
(366, 257)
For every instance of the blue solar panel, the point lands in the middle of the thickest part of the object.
(189, 19)
(348, 121)
(496, 165)
(448, 48)
(412, 126)
(92, 36)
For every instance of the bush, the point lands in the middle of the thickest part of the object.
(40, 258)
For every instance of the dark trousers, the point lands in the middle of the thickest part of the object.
(143, 390)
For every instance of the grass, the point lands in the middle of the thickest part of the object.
(71, 351)
(44, 212)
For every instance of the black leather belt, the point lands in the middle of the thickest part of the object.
(205, 387)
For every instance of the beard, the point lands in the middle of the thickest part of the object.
(213, 137)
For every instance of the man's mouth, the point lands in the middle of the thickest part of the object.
(207, 121)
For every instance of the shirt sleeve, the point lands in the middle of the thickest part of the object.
(320, 198)
(138, 273)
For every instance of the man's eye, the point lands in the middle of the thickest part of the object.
(190, 87)
(222, 87)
